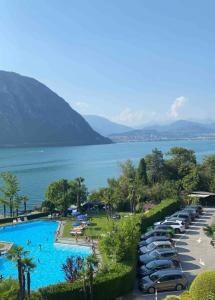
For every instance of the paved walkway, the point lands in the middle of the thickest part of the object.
(195, 251)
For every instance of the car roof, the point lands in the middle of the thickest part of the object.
(162, 243)
(164, 250)
(160, 262)
(168, 272)
(156, 238)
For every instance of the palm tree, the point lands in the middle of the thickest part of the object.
(25, 200)
(4, 202)
(16, 254)
(28, 266)
(209, 230)
(10, 189)
(9, 289)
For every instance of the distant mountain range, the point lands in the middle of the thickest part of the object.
(181, 129)
(33, 115)
(105, 126)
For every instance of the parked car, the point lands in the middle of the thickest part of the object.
(192, 212)
(193, 209)
(155, 266)
(155, 232)
(185, 221)
(159, 254)
(163, 280)
(156, 245)
(153, 239)
(184, 215)
(177, 225)
(198, 207)
(165, 227)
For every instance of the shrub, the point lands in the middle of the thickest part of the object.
(159, 212)
(203, 286)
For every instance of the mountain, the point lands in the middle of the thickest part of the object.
(33, 115)
(105, 126)
(181, 129)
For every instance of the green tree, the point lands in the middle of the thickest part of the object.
(28, 266)
(48, 205)
(210, 230)
(10, 189)
(208, 172)
(155, 166)
(182, 160)
(128, 170)
(141, 172)
(17, 254)
(9, 289)
(60, 194)
(191, 181)
(79, 191)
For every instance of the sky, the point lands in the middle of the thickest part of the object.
(134, 62)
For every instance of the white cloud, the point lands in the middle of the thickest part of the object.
(133, 117)
(176, 106)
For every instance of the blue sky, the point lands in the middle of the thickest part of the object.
(132, 61)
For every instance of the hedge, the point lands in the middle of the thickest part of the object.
(159, 212)
(29, 216)
(117, 282)
(106, 286)
(203, 286)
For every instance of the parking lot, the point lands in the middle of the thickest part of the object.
(196, 253)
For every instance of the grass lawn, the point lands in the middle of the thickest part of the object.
(99, 225)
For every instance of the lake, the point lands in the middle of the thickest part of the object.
(37, 167)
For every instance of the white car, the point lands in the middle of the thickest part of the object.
(177, 225)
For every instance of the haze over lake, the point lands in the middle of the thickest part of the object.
(37, 167)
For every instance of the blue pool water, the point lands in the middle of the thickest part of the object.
(51, 257)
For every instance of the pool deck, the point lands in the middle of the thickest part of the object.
(7, 246)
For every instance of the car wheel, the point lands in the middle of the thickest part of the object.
(179, 287)
(177, 230)
(151, 290)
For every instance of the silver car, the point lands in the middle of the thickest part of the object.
(164, 280)
(156, 245)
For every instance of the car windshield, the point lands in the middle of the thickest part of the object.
(154, 277)
(151, 246)
(154, 254)
(149, 240)
(151, 265)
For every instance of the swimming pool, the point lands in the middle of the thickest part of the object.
(49, 259)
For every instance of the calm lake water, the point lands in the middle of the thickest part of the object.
(37, 167)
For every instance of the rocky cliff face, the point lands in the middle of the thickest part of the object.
(33, 115)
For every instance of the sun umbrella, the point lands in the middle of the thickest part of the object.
(75, 213)
(72, 208)
(82, 217)
(76, 224)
